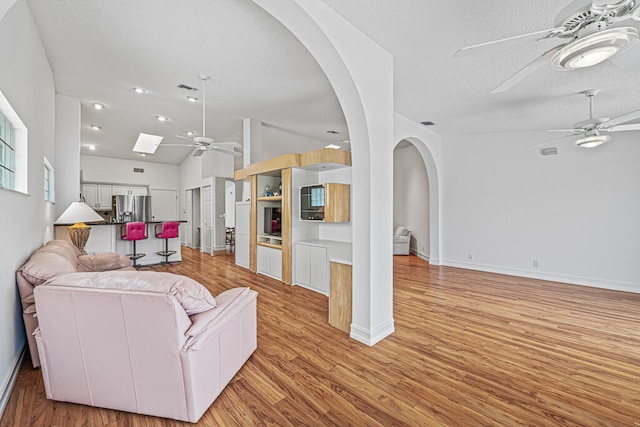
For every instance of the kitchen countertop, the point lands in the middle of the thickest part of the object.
(90, 224)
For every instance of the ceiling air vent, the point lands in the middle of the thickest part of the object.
(549, 151)
(428, 123)
(185, 87)
(138, 170)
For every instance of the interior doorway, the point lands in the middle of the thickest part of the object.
(192, 215)
(411, 197)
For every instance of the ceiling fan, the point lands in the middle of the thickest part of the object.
(582, 27)
(204, 143)
(590, 130)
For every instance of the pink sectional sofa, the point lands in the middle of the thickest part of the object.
(57, 257)
(139, 341)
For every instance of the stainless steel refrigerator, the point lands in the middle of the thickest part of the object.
(132, 208)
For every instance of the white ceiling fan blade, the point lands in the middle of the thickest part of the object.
(222, 150)
(563, 130)
(509, 41)
(177, 145)
(623, 128)
(628, 58)
(232, 144)
(555, 139)
(622, 119)
(525, 71)
(183, 137)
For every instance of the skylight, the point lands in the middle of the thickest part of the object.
(147, 143)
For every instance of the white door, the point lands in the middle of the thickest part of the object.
(164, 205)
(188, 233)
(230, 204)
(207, 219)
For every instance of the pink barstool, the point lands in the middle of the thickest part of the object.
(134, 231)
(169, 231)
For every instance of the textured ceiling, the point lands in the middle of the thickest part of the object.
(99, 50)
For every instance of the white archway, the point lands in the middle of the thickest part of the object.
(361, 73)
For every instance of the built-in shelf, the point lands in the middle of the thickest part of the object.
(270, 241)
(270, 199)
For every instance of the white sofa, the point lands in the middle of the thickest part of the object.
(401, 240)
(145, 342)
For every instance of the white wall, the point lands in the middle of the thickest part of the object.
(28, 85)
(118, 171)
(411, 197)
(67, 152)
(577, 213)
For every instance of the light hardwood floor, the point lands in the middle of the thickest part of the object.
(470, 349)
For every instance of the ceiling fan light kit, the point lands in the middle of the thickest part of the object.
(588, 35)
(593, 49)
(592, 141)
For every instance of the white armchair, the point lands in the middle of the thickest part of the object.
(401, 240)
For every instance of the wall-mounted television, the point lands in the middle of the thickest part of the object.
(273, 221)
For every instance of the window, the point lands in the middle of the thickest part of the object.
(49, 194)
(14, 138)
(7, 154)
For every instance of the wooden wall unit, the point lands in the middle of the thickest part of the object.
(283, 165)
(286, 226)
(337, 202)
(340, 297)
(253, 224)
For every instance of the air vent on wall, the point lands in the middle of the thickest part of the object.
(185, 87)
(138, 170)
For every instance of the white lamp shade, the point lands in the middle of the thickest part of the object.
(78, 212)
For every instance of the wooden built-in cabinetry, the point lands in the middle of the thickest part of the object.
(279, 171)
(327, 202)
(340, 297)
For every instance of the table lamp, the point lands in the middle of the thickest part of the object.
(77, 214)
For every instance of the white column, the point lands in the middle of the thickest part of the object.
(251, 148)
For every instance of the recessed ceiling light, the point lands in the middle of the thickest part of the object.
(143, 154)
(162, 118)
(95, 127)
(92, 147)
(139, 90)
(335, 147)
(147, 143)
(192, 98)
(190, 133)
(98, 106)
(345, 141)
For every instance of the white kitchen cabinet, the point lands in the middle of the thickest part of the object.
(311, 264)
(126, 190)
(270, 262)
(98, 196)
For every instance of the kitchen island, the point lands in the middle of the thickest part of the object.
(105, 237)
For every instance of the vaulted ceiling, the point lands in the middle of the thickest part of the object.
(99, 51)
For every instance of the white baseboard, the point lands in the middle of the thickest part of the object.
(552, 277)
(419, 254)
(370, 338)
(6, 392)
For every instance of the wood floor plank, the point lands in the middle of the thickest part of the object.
(470, 349)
